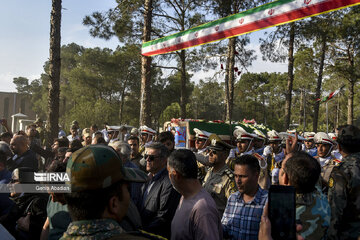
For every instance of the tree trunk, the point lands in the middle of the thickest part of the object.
(230, 63)
(302, 107)
(183, 85)
(350, 115)
(122, 101)
(290, 76)
(145, 98)
(54, 72)
(318, 85)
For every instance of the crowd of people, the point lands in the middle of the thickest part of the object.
(134, 184)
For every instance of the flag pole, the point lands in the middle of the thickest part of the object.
(327, 118)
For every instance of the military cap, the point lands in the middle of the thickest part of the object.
(273, 136)
(134, 131)
(241, 134)
(333, 136)
(201, 134)
(323, 138)
(349, 133)
(147, 130)
(309, 136)
(99, 166)
(216, 143)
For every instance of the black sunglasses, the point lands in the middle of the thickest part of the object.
(213, 151)
(150, 157)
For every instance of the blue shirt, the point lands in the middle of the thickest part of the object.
(241, 220)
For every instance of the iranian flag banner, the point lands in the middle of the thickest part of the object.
(268, 15)
(330, 96)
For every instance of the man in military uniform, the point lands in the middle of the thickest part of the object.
(201, 152)
(309, 144)
(245, 145)
(259, 141)
(274, 154)
(302, 171)
(219, 180)
(146, 136)
(324, 147)
(99, 197)
(344, 187)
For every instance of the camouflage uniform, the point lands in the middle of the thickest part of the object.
(92, 168)
(220, 185)
(344, 198)
(313, 211)
(326, 169)
(92, 229)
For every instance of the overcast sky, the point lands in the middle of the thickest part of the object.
(25, 27)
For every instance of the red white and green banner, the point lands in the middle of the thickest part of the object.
(330, 96)
(268, 15)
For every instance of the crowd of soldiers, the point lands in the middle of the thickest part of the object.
(134, 184)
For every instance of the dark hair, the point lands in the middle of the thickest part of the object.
(303, 171)
(63, 142)
(134, 138)
(92, 203)
(101, 140)
(250, 161)
(6, 135)
(57, 166)
(94, 126)
(184, 162)
(349, 144)
(164, 152)
(164, 136)
(75, 145)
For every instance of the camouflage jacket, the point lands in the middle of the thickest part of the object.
(344, 199)
(313, 212)
(95, 229)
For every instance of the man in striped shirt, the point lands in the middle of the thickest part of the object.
(244, 208)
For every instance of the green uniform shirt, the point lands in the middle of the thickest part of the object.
(220, 185)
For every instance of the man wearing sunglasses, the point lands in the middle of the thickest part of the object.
(219, 180)
(159, 200)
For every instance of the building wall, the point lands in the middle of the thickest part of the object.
(12, 103)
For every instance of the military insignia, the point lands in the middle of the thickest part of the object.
(213, 142)
(331, 182)
(229, 173)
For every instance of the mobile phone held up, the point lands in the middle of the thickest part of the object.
(282, 212)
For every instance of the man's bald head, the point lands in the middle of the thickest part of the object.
(19, 144)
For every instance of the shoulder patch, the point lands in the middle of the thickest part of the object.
(337, 161)
(258, 156)
(331, 182)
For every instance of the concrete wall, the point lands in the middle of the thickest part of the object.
(12, 103)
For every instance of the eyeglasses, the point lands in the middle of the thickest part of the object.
(213, 152)
(150, 157)
(199, 140)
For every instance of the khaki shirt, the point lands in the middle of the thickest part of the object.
(220, 185)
